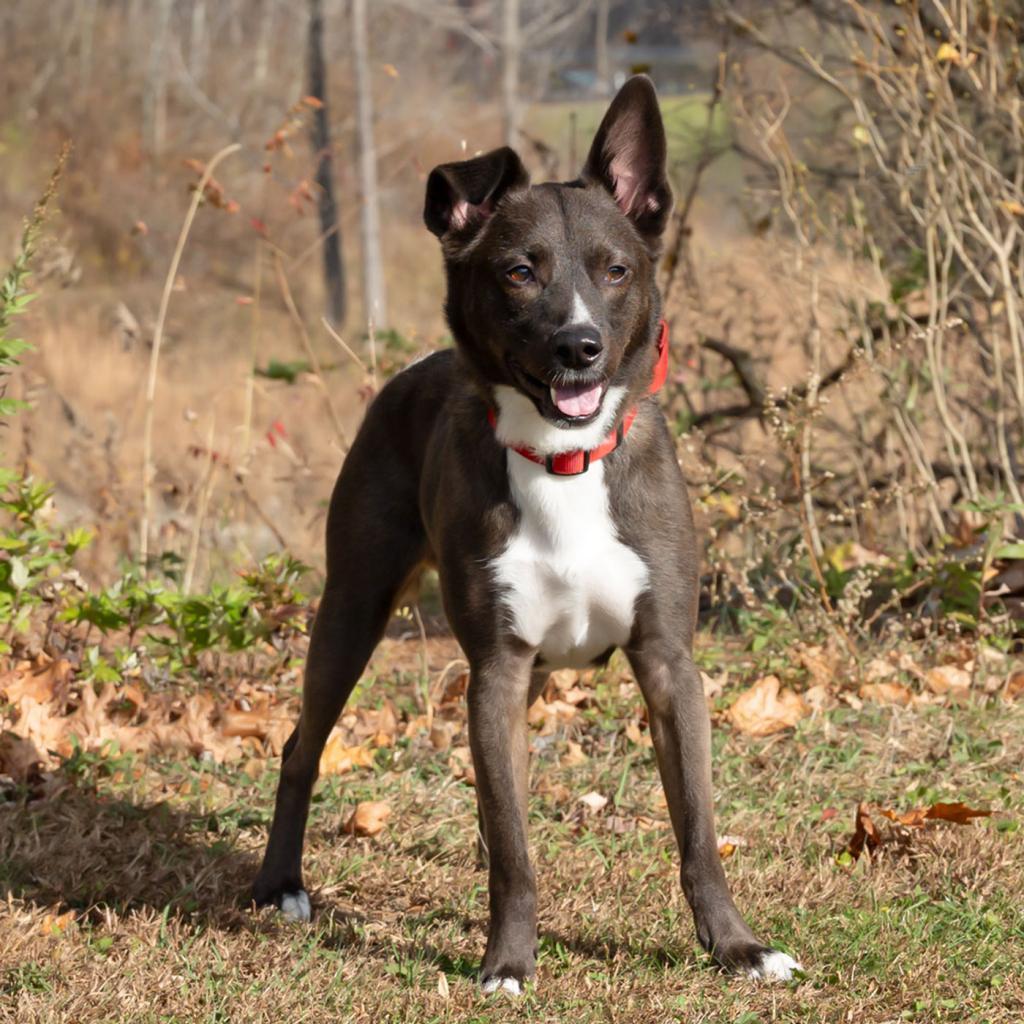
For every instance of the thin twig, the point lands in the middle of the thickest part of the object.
(154, 357)
(205, 490)
(286, 294)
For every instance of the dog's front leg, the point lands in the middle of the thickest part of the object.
(498, 699)
(681, 732)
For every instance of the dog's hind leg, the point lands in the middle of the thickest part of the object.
(374, 544)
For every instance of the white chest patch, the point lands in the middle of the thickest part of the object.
(570, 584)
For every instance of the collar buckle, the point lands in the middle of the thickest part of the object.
(574, 463)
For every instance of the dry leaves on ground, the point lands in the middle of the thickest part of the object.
(1014, 688)
(948, 680)
(886, 693)
(766, 708)
(368, 818)
(340, 757)
(868, 836)
(49, 713)
(728, 845)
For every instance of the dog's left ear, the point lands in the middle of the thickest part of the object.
(461, 196)
(628, 157)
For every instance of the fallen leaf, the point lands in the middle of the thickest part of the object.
(878, 669)
(441, 735)
(573, 756)
(1012, 206)
(913, 818)
(728, 845)
(948, 679)
(38, 679)
(819, 698)
(368, 818)
(564, 679)
(53, 924)
(559, 793)
(244, 723)
(1014, 686)
(865, 834)
(958, 813)
(455, 689)
(442, 985)
(339, 758)
(765, 708)
(416, 725)
(19, 757)
(714, 685)
(819, 663)
(886, 693)
(947, 53)
(461, 764)
(576, 696)
(594, 802)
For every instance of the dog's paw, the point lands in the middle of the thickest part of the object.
(498, 984)
(295, 905)
(771, 965)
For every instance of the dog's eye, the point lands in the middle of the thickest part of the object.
(615, 274)
(521, 274)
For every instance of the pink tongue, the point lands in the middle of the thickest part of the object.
(577, 399)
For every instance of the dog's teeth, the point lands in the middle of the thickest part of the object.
(554, 397)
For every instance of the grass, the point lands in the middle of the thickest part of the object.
(154, 858)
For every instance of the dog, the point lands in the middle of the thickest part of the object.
(531, 466)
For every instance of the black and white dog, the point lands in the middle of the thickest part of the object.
(531, 467)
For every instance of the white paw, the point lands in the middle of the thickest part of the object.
(774, 966)
(509, 985)
(295, 905)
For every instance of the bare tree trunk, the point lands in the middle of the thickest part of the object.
(334, 270)
(155, 97)
(602, 67)
(373, 274)
(86, 17)
(510, 44)
(264, 40)
(197, 40)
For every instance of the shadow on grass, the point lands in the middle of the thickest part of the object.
(83, 849)
(604, 949)
(89, 850)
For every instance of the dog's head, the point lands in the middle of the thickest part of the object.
(551, 288)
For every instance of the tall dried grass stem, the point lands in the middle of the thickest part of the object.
(154, 356)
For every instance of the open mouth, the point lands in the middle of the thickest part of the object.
(575, 403)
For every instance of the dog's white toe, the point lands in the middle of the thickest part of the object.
(295, 905)
(509, 985)
(774, 966)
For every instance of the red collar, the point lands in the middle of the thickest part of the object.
(574, 463)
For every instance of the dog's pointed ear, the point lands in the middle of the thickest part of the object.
(628, 157)
(462, 195)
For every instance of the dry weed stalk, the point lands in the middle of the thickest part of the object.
(154, 358)
(307, 345)
(926, 108)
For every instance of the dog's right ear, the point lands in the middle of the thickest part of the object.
(462, 195)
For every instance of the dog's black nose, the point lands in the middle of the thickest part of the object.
(577, 347)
